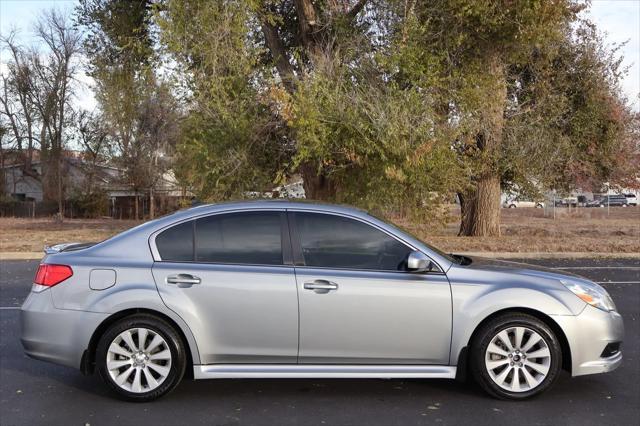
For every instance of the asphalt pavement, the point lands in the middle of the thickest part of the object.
(37, 393)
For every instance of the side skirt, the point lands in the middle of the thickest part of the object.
(307, 371)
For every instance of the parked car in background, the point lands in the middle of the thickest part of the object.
(276, 289)
(632, 199)
(566, 202)
(609, 200)
(522, 202)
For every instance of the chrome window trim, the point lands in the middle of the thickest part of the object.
(379, 271)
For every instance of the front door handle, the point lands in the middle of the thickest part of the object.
(183, 279)
(320, 286)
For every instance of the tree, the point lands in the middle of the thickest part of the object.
(36, 98)
(52, 93)
(279, 88)
(527, 88)
(18, 110)
(136, 104)
(472, 47)
(394, 103)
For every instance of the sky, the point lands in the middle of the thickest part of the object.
(619, 20)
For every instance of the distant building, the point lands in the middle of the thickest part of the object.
(21, 185)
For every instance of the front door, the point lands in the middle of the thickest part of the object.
(358, 304)
(227, 275)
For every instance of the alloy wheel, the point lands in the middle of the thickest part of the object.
(138, 360)
(518, 359)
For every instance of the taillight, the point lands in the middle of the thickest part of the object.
(50, 275)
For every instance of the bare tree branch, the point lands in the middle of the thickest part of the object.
(279, 53)
(356, 9)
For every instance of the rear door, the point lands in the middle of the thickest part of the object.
(358, 304)
(230, 277)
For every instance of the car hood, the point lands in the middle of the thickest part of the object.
(492, 265)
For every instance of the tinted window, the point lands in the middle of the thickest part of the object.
(250, 238)
(176, 243)
(337, 242)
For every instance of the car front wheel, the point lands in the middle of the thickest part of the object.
(141, 358)
(515, 356)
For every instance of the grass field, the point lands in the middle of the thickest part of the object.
(525, 230)
(528, 230)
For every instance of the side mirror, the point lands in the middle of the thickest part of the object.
(419, 262)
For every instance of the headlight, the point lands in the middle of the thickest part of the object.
(591, 293)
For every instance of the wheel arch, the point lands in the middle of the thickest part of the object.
(463, 357)
(89, 356)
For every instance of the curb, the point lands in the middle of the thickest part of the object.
(21, 255)
(489, 254)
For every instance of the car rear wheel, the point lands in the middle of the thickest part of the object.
(141, 358)
(515, 356)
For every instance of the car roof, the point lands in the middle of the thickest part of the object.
(271, 203)
(135, 241)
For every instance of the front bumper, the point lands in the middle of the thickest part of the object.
(588, 334)
(56, 335)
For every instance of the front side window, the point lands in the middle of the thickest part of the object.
(246, 238)
(337, 242)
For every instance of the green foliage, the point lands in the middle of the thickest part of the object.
(397, 105)
(230, 143)
(377, 142)
(564, 123)
(90, 205)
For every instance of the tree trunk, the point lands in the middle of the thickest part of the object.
(152, 204)
(317, 186)
(60, 191)
(480, 208)
(480, 211)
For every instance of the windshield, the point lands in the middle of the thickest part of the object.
(402, 230)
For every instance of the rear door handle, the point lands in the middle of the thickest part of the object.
(321, 286)
(184, 279)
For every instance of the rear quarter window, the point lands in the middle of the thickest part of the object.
(176, 243)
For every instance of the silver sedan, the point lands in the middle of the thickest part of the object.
(275, 289)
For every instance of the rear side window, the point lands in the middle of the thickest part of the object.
(176, 243)
(336, 242)
(246, 238)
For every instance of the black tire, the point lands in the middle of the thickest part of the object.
(167, 332)
(487, 332)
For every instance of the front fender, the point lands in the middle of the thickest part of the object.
(473, 303)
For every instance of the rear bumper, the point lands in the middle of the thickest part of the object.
(56, 335)
(588, 334)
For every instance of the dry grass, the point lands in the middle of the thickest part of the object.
(31, 235)
(528, 230)
(524, 230)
